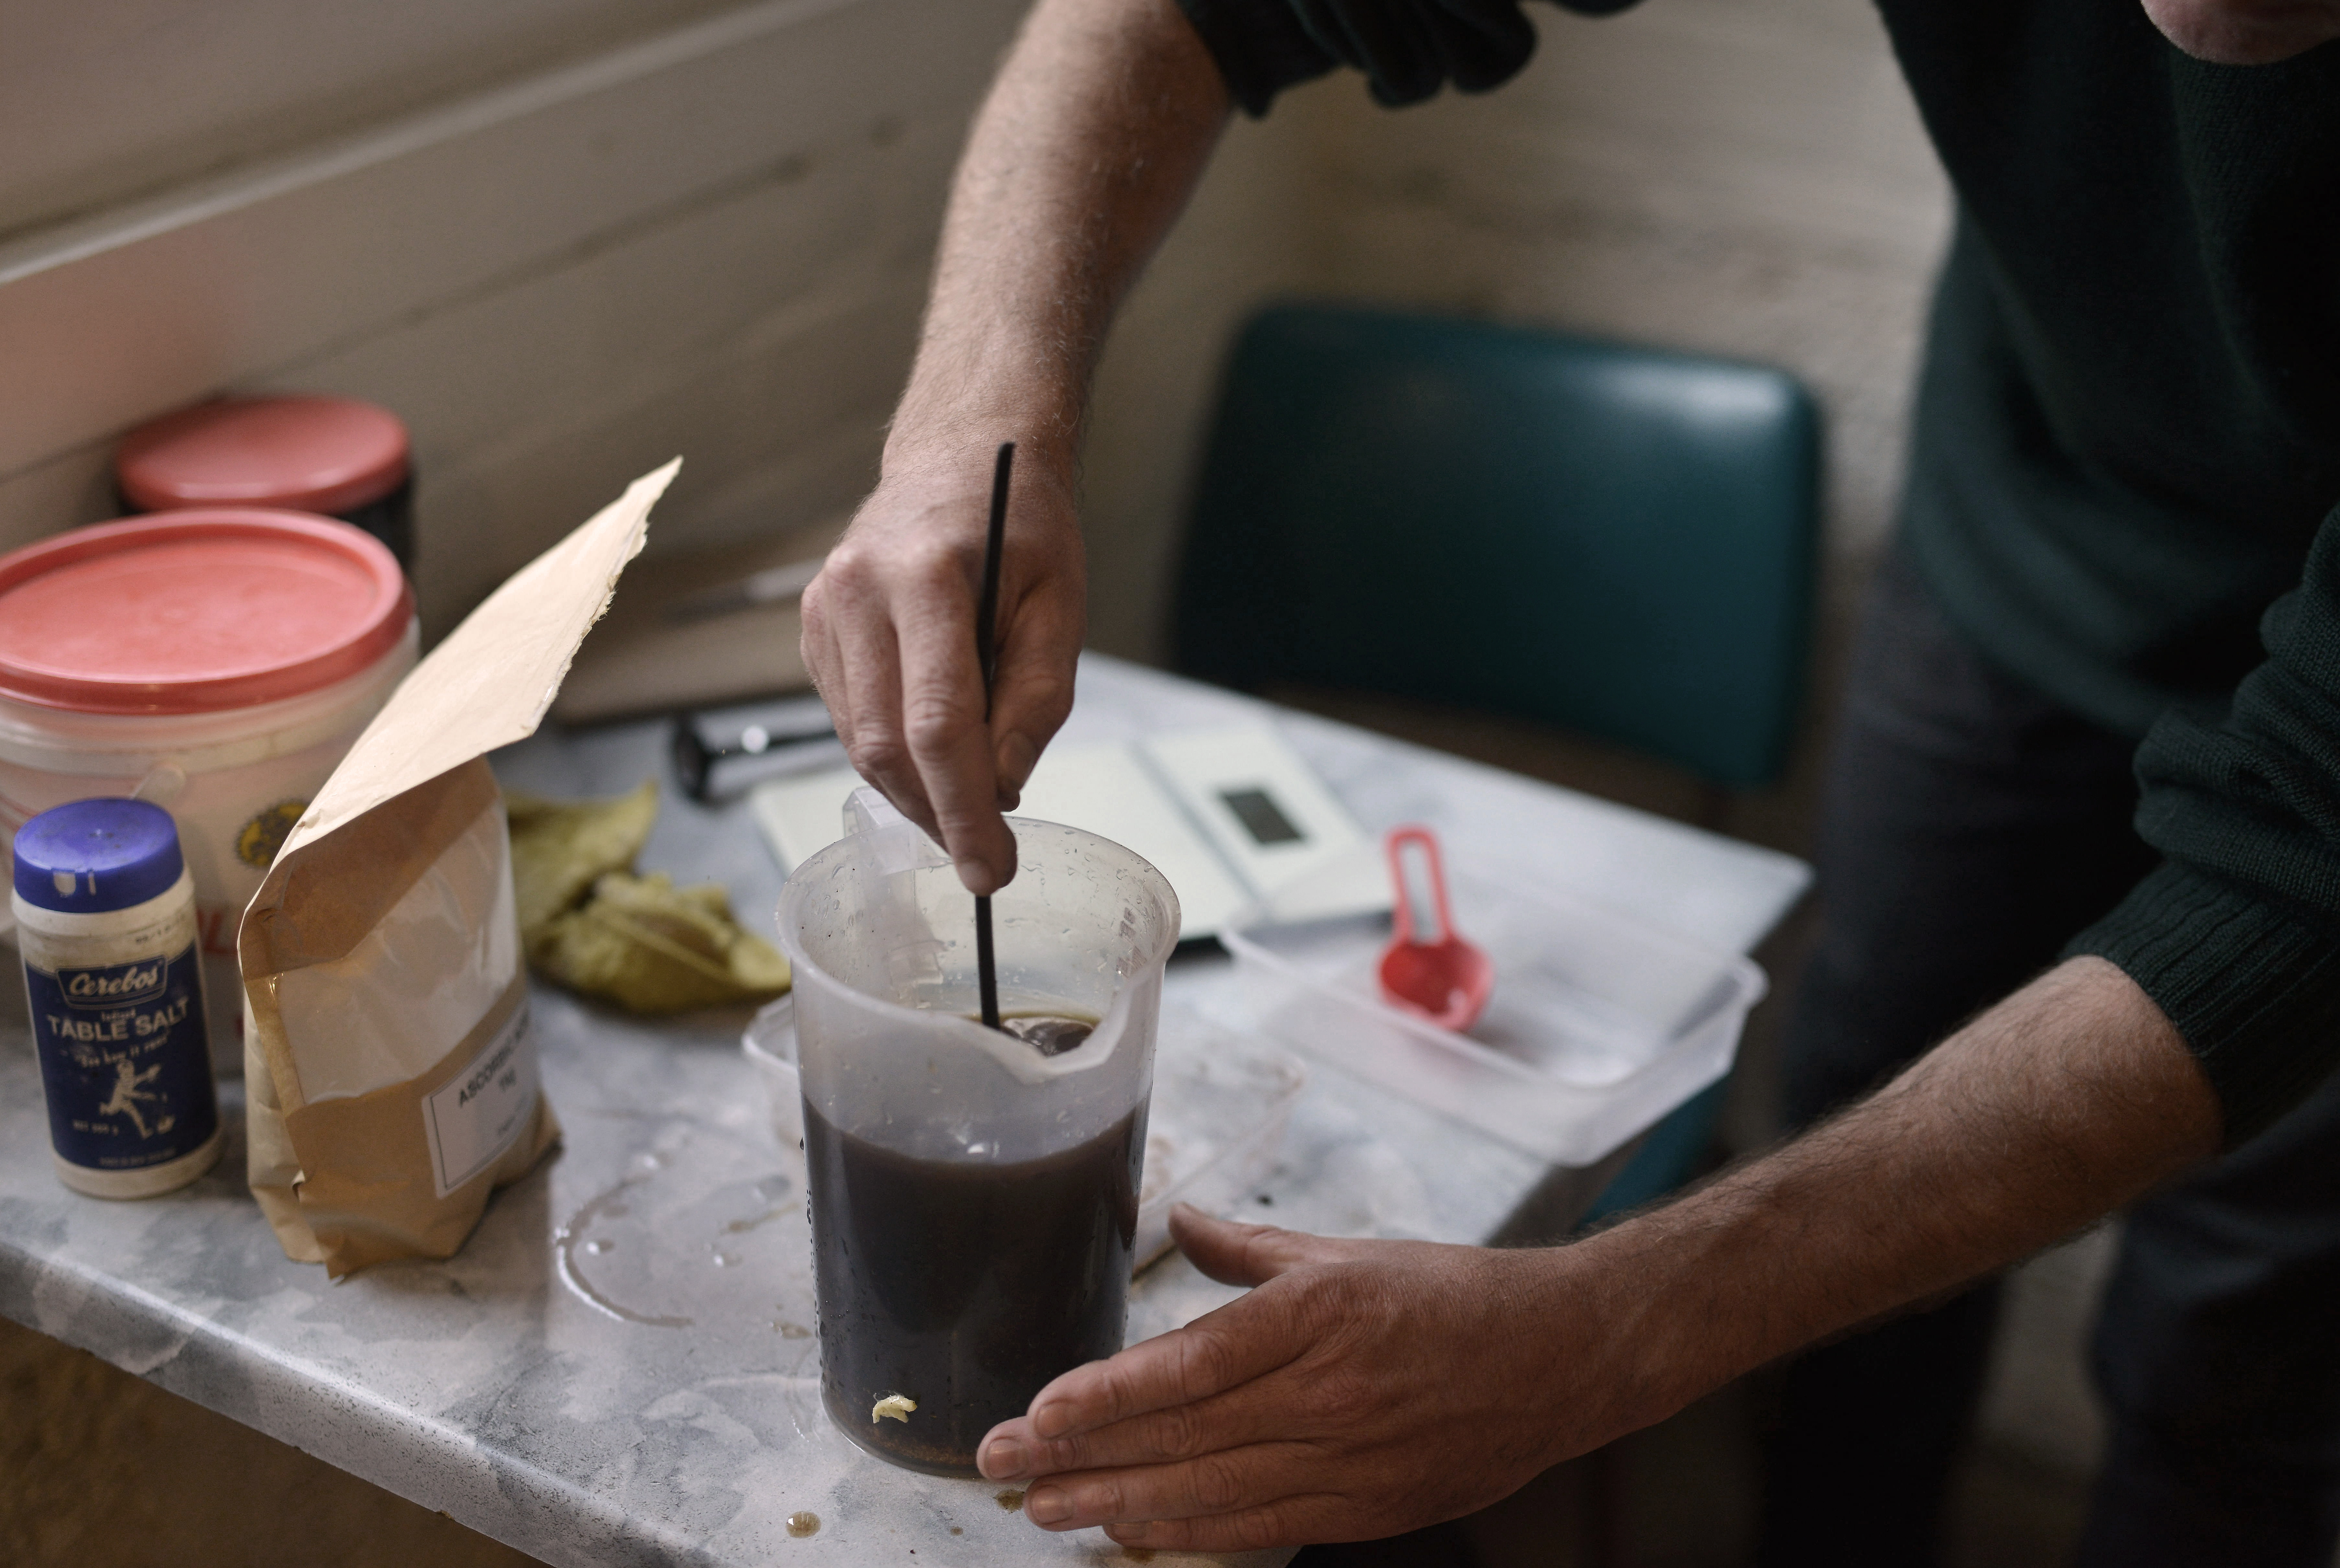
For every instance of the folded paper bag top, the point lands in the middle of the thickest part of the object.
(391, 1073)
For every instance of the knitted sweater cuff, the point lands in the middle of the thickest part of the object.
(1260, 46)
(2253, 987)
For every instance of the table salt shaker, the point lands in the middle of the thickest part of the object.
(105, 923)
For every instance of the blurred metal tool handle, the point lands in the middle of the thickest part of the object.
(695, 757)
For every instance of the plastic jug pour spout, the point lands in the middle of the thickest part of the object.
(1440, 977)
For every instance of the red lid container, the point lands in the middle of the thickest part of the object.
(308, 454)
(194, 611)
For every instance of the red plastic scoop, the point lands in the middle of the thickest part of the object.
(1443, 978)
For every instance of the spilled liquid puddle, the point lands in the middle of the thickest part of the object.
(680, 1241)
(804, 1523)
(1009, 1498)
(741, 1227)
(566, 1244)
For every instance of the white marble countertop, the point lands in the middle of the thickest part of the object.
(619, 1369)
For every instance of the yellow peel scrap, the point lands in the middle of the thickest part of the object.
(897, 1405)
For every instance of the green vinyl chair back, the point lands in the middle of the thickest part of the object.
(1619, 541)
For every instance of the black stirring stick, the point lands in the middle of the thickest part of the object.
(986, 616)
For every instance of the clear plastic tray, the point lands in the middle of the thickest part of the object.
(1220, 1108)
(1598, 1027)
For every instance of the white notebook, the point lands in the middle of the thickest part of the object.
(1228, 816)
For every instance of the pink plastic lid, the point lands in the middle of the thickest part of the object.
(306, 454)
(194, 611)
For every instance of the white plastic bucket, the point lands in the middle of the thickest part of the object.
(236, 777)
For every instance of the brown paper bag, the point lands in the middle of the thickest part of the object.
(390, 1076)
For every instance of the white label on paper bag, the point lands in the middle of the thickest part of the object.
(474, 1118)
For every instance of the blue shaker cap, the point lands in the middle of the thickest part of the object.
(95, 856)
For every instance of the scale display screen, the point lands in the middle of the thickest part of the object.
(1261, 816)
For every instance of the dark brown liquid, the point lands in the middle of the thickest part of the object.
(1049, 1033)
(964, 1285)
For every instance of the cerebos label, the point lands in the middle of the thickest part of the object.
(123, 1060)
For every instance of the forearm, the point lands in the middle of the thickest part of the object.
(2056, 1106)
(1094, 136)
(1303, 1410)
(1100, 122)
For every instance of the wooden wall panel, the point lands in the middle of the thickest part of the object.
(713, 240)
(104, 101)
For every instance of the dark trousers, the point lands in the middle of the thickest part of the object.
(1972, 826)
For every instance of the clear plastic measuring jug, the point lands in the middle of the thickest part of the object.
(974, 1200)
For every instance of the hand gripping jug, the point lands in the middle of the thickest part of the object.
(972, 1199)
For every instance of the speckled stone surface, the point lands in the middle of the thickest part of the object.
(620, 1368)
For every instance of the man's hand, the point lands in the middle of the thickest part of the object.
(1364, 1388)
(1100, 123)
(889, 638)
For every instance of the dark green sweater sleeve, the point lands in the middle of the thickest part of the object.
(2237, 937)
(1407, 49)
